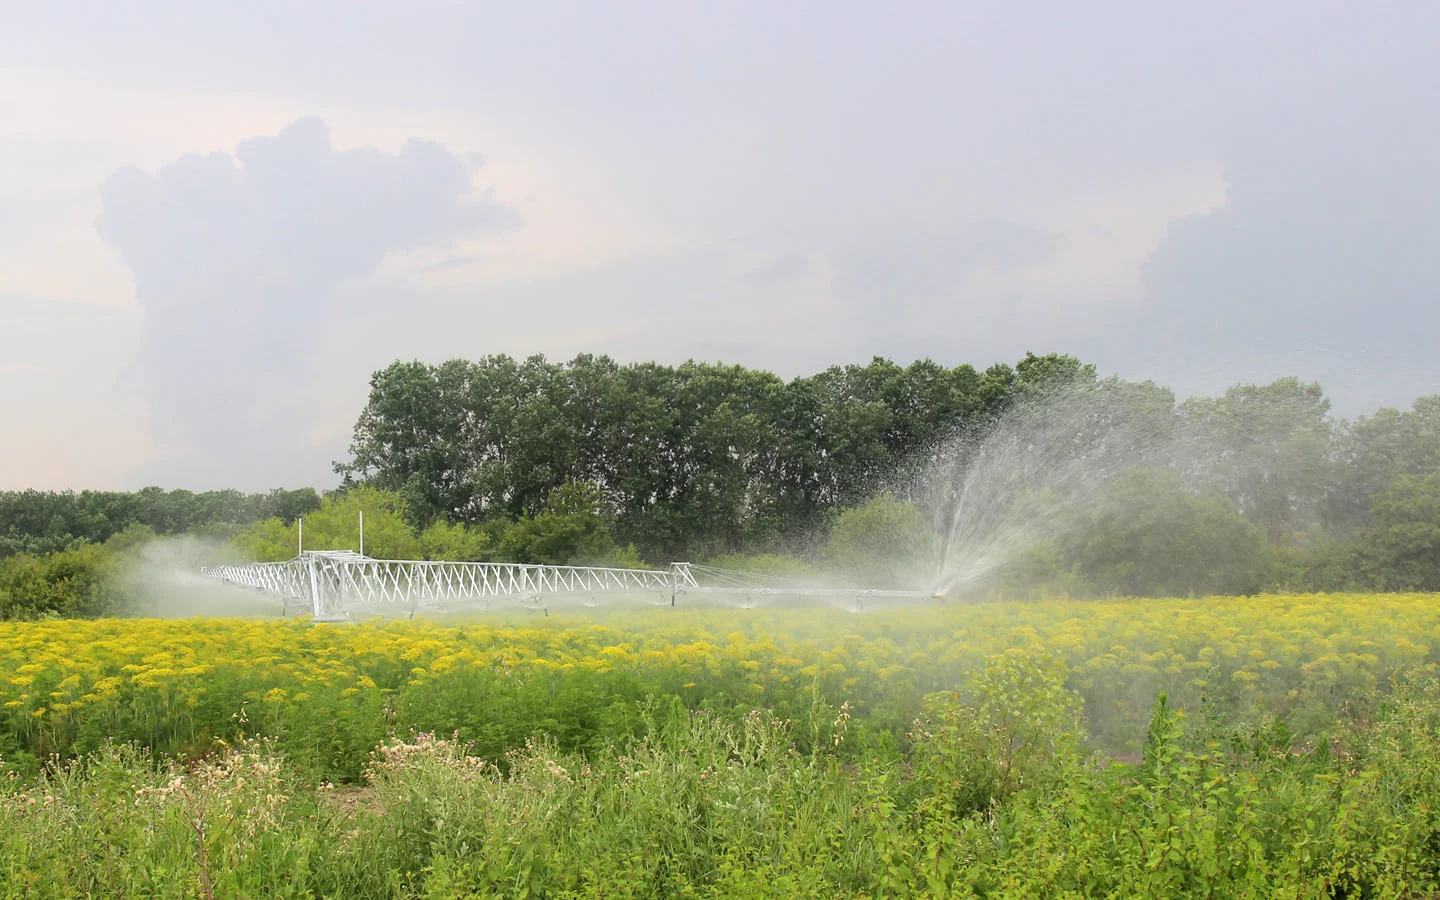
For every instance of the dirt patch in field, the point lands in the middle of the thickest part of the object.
(351, 799)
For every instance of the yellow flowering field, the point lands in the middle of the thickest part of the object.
(329, 694)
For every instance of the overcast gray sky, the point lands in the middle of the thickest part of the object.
(216, 220)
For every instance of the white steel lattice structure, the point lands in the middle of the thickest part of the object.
(334, 583)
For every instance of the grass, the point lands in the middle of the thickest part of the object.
(1277, 746)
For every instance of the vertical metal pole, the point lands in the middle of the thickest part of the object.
(314, 589)
(301, 549)
(362, 532)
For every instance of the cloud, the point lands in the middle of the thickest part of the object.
(1337, 258)
(798, 210)
(1324, 256)
(13, 213)
(58, 367)
(908, 288)
(454, 262)
(235, 260)
(783, 268)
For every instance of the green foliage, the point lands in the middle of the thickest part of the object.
(1194, 818)
(131, 539)
(693, 460)
(1037, 374)
(885, 543)
(698, 461)
(71, 583)
(456, 542)
(626, 557)
(1374, 452)
(237, 825)
(336, 526)
(1145, 535)
(1268, 449)
(569, 529)
(468, 461)
(997, 799)
(1016, 727)
(1401, 547)
(39, 522)
(765, 564)
(268, 541)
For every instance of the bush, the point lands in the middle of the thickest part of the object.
(71, 583)
(336, 526)
(1145, 535)
(764, 564)
(456, 543)
(884, 544)
(1016, 727)
(569, 530)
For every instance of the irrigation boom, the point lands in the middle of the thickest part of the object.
(335, 583)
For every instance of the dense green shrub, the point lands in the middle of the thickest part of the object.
(885, 543)
(1144, 535)
(71, 583)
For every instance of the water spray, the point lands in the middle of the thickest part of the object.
(338, 584)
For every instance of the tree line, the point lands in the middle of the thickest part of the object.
(1260, 487)
(40, 522)
(689, 460)
(853, 469)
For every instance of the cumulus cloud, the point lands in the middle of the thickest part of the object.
(902, 291)
(1325, 254)
(235, 260)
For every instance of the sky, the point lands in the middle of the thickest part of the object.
(218, 220)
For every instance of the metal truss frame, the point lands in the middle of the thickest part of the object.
(333, 583)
